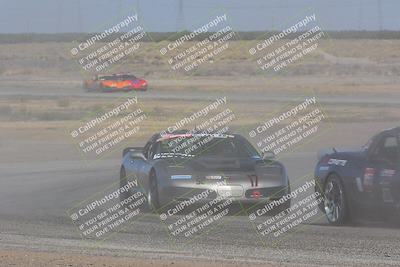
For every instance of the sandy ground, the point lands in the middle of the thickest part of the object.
(42, 175)
(43, 183)
(36, 259)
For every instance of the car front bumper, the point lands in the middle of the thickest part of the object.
(202, 194)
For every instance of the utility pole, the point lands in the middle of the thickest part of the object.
(80, 27)
(360, 15)
(181, 17)
(138, 11)
(119, 9)
(272, 23)
(380, 15)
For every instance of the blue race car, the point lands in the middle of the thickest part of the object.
(363, 183)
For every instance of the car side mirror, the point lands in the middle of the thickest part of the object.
(137, 155)
(268, 155)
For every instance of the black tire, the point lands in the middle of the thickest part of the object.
(86, 88)
(335, 202)
(152, 193)
(320, 197)
(122, 182)
(104, 89)
(287, 204)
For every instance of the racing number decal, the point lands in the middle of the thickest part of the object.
(254, 183)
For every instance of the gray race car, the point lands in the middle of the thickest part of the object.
(174, 168)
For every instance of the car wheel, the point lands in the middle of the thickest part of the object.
(86, 87)
(320, 197)
(335, 205)
(122, 182)
(287, 204)
(152, 194)
(103, 88)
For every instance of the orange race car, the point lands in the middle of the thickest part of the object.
(115, 82)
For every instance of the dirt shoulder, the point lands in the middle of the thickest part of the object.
(34, 258)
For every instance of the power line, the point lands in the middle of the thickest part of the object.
(267, 6)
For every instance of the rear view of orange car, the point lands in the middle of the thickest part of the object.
(115, 82)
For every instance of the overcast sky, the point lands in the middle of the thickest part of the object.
(49, 16)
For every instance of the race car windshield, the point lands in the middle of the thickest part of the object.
(126, 77)
(207, 146)
(366, 146)
(117, 77)
(106, 78)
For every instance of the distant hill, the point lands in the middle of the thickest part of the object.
(161, 36)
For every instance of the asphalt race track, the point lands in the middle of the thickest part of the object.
(40, 89)
(34, 198)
